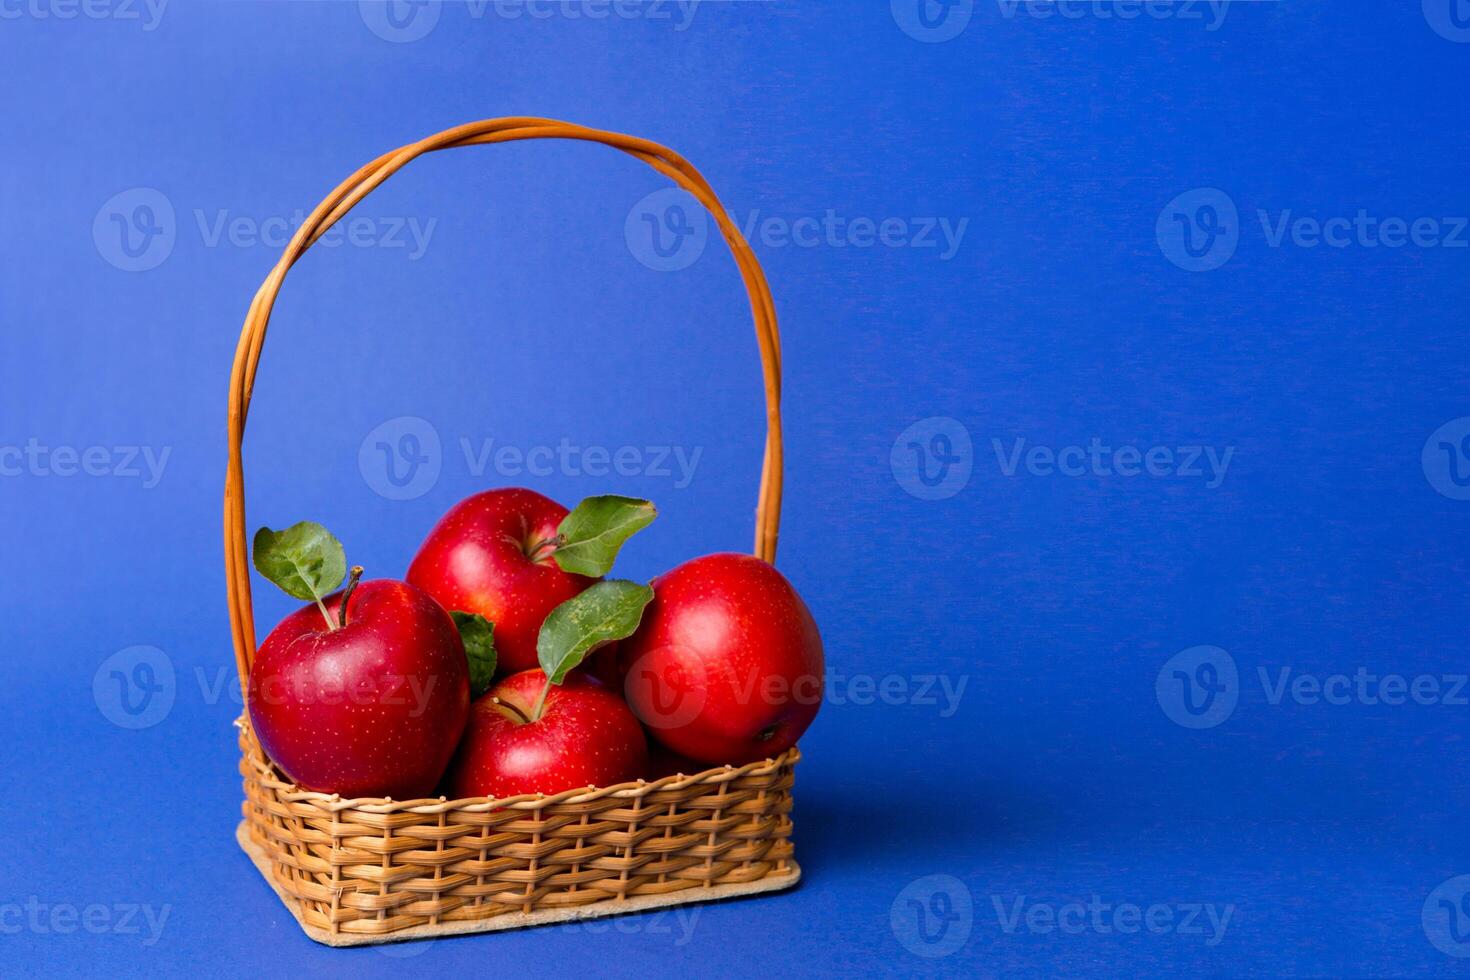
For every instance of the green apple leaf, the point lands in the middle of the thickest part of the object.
(478, 634)
(605, 612)
(305, 560)
(593, 532)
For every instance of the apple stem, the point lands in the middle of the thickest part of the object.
(331, 623)
(548, 546)
(514, 710)
(540, 704)
(347, 595)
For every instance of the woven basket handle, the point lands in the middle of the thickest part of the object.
(359, 185)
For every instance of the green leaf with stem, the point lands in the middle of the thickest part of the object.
(605, 612)
(589, 537)
(304, 560)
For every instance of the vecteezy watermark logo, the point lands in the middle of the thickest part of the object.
(1199, 230)
(1449, 18)
(134, 688)
(1211, 12)
(668, 686)
(933, 458)
(677, 924)
(861, 690)
(566, 458)
(1198, 687)
(932, 21)
(412, 691)
(400, 21)
(275, 231)
(36, 459)
(932, 916)
(832, 230)
(1106, 918)
(401, 458)
(1446, 917)
(1099, 459)
(667, 230)
(63, 919)
(148, 12)
(1364, 688)
(1446, 459)
(1362, 230)
(135, 230)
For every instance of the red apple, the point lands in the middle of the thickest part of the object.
(584, 735)
(374, 707)
(492, 555)
(726, 666)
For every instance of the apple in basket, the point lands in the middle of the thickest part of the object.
(548, 730)
(363, 692)
(727, 665)
(512, 555)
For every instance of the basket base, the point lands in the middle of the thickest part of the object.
(516, 920)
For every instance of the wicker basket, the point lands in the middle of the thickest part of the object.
(377, 870)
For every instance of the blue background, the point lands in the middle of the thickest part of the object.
(1062, 317)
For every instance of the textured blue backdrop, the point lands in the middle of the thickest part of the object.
(1126, 363)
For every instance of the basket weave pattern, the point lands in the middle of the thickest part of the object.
(375, 870)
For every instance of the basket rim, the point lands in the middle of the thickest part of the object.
(270, 776)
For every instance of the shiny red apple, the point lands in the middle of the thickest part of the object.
(726, 666)
(525, 736)
(492, 555)
(372, 707)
